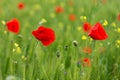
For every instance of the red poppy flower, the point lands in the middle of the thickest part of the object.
(118, 17)
(86, 27)
(87, 50)
(86, 62)
(97, 32)
(21, 5)
(59, 9)
(72, 17)
(45, 35)
(13, 26)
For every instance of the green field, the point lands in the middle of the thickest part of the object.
(23, 57)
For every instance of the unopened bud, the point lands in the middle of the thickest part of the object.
(75, 43)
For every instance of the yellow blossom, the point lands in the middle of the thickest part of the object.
(118, 30)
(3, 22)
(43, 21)
(5, 32)
(113, 24)
(83, 18)
(16, 45)
(118, 41)
(18, 50)
(91, 39)
(13, 50)
(79, 28)
(84, 37)
(105, 23)
(23, 57)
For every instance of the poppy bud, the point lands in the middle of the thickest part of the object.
(66, 48)
(58, 54)
(75, 43)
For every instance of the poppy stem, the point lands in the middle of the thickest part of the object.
(94, 42)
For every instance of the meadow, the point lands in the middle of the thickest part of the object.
(73, 54)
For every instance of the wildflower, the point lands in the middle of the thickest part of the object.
(83, 18)
(86, 27)
(21, 5)
(98, 32)
(16, 45)
(86, 62)
(79, 28)
(72, 17)
(5, 32)
(45, 35)
(105, 23)
(118, 30)
(87, 50)
(18, 50)
(13, 26)
(58, 9)
(23, 57)
(3, 22)
(117, 44)
(84, 37)
(113, 24)
(43, 21)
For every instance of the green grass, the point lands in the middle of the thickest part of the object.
(36, 62)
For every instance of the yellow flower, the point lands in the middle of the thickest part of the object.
(91, 39)
(13, 50)
(43, 21)
(79, 28)
(23, 57)
(16, 45)
(118, 41)
(18, 50)
(3, 22)
(113, 24)
(83, 18)
(5, 32)
(118, 30)
(105, 23)
(84, 37)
